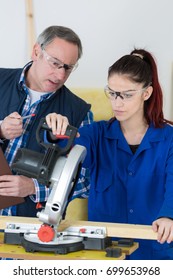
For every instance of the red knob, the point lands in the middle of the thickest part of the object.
(46, 233)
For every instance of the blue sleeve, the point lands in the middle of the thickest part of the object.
(82, 187)
(167, 206)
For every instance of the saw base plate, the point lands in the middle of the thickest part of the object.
(57, 249)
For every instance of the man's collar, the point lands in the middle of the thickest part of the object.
(22, 76)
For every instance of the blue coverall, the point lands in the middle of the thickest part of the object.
(130, 188)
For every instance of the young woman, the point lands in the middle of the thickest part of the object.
(131, 156)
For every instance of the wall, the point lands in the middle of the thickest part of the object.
(108, 29)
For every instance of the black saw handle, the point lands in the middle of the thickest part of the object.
(70, 135)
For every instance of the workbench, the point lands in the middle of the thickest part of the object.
(113, 230)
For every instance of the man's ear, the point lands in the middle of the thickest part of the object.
(35, 52)
(148, 92)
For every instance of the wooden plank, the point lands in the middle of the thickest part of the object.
(113, 229)
(14, 219)
(116, 229)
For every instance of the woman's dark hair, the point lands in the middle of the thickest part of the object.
(140, 67)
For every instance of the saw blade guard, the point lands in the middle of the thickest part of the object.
(63, 179)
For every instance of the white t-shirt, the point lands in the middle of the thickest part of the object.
(35, 95)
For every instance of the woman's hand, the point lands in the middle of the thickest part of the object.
(57, 123)
(164, 229)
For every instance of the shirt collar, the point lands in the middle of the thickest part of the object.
(22, 76)
(153, 134)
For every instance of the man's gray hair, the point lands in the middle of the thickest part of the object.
(62, 32)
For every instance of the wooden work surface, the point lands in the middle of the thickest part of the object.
(18, 252)
(113, 230)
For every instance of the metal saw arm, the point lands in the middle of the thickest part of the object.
(63, 178)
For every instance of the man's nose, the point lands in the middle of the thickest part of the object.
(61, 73)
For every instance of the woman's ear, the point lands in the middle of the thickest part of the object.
(148, 92)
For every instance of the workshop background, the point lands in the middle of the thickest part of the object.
(108, 29)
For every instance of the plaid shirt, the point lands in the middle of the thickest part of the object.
(41, 191)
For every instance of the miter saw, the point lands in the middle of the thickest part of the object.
(58, 168)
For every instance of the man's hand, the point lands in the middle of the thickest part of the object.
(15, 185)
(11, 127)
(164, 229)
